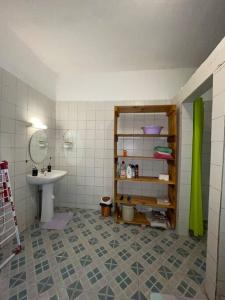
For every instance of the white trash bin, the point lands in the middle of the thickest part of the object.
(127, 213)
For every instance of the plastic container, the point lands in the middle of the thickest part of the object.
(127, 213)
(123, 170)
(106, 210)
(153, 129)
(129, 171)
(106, 200)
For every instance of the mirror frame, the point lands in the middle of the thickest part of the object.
(30, 141)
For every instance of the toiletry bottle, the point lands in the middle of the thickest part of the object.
(136, 170)
(34, 171)
(129, 171)
(118, 169)
(123, 170)
(49, 167)
(133, 171)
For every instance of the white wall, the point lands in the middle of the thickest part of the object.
(19, 102)
(90, 162)
(121, 86)
(18, 59)
(214, 65)
(206, 151)
(216, 232)
(221, 252)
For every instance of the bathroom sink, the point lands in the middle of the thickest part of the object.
(46, 181)
(50, 177)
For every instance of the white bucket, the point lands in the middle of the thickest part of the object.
(127, 213)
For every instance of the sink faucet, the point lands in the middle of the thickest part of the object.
(43, 170)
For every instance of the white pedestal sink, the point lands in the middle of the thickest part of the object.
(47, 182)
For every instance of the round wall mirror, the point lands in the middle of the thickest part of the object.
(38, 146)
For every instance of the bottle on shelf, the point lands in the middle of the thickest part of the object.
(49, 167)
(136, 171)
(129, 171)
(118, 169)
(133, 171)
(34, 171)
(123, 170)
(124, 152)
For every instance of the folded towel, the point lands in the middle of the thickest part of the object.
(160, 155)
(163, 149)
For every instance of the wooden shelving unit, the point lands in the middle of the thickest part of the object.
(139, 218)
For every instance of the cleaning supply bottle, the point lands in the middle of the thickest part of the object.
(133, 171)
(49, 167)
(129, 171)
(123, 170)
(136, 171)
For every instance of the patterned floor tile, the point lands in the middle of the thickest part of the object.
(17, 279)
(85, 260)
(74, 290)
(60, 257)
(196, 277)
(94, 258)
(186, 290)
(124, 254)
(154, 285)
(19, 296)
(165, 272)
(135, 246)
(41, 267)
(17, 262)
(137, 268)
(94, 275)
(39, 253)
(67, 271)
(106, 293)
(45, 284)
(138, 296)
(110, 264)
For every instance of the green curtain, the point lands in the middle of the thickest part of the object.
(196, 206)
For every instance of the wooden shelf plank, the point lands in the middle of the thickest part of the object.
(139, 219)
(142, 157)
(144, 135)
(142, 200)
(168, 108)
(146, 179)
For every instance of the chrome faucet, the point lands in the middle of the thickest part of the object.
(43, 170)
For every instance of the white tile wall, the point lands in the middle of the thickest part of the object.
(217, 195)
(19, 102)
(90, 161)
(221, 243)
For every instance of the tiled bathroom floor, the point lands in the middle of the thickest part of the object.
(94, 258)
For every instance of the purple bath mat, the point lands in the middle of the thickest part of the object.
(59, 221)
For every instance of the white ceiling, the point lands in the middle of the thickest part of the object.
(117, 35)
